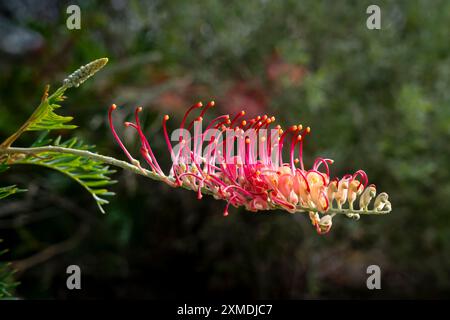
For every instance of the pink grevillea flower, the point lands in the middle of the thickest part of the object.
(242, 162)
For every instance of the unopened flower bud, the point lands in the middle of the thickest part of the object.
(387, 206)
(366, 197)
(325, 223)
(341, 194)
(380, 201)
(84, 73)
(314, 216)
(331, 192)
(354, 190)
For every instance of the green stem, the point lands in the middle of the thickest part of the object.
(86, 154)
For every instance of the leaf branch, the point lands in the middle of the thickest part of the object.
(82, 153)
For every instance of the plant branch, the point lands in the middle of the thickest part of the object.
(83, 153)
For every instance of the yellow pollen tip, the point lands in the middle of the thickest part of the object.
(300, 127)
(212, 103)
(166, 117)
(308, 129)
(139, 109)
(243, 123)
(113, 106)
(243, 113)
(296, 160)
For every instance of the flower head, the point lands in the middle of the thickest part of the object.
(256, 164)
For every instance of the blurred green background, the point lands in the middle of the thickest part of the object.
(375, 99)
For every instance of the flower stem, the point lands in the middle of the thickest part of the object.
(147, 173)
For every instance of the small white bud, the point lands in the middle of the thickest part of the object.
(366, 197)
(380, 201)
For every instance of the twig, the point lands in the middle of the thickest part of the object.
(84, 153)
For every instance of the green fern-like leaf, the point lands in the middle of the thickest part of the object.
(9, 190)
(93, 175)
(47, 119)
(7, 283)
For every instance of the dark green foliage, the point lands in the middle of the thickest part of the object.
(7, 283)
(9, 190)
(92, 175)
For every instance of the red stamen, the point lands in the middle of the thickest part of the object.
(363, 176)
(294, 141)
(195, 106)
(236, 117)
(325, 162)
(116, 136)
(145, 142)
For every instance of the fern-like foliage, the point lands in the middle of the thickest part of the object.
(9, 190)
(92, 175)
(44, 118)
(7, 283)
(47, 119)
